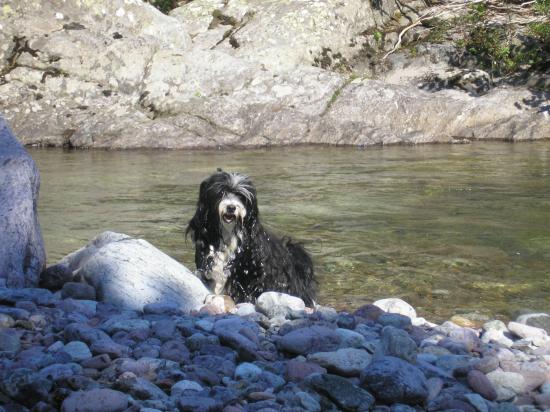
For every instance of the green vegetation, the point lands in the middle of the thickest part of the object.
(500, 46)
(542, 7)
(541, 31)
(495, 45)
(438, 30)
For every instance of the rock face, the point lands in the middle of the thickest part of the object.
(119, 74)
(132, 273)
(22, 255)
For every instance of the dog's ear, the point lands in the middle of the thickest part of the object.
(197, 224)
(252, 218)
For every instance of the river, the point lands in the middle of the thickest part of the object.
(452, 229)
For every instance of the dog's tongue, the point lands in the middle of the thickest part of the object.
(228, 217)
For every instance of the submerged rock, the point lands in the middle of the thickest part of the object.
(22, 256)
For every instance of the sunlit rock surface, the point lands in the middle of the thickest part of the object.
(22, 255)
(132, 273)
(120, 74)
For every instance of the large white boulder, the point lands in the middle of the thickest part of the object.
(131, 273)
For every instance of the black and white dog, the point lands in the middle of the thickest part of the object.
(234, 254)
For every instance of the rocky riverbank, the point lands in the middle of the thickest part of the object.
(238, 73)
(123, 327)
(66, 351)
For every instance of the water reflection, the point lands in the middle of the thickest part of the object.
(451, 229)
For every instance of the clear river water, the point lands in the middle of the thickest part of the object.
(451, 229)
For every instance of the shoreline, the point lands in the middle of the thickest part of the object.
(267, 147)
(124, 327)
(65, 352)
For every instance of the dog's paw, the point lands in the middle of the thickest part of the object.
(223, 303)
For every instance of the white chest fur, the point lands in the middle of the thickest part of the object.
(219, 269)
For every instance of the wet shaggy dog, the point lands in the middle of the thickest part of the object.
(234, 254)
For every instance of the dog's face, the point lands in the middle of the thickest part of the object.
(227, 204)
(231, 212)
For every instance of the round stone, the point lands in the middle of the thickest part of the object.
(95, 400)
(77, 350)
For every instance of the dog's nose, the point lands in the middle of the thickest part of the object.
(231, 209)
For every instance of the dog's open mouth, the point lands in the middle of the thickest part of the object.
(229, 217)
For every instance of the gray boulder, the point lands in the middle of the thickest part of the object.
(22, 255)
(132, 273)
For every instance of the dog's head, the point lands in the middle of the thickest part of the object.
(227, 205)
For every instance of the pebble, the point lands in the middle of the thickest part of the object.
(9, 340)
(543, 401)
(477, 402)
(297, 370)
(487, 364)
(38, 296)
(395, 305)
(15, 313)
(95, 400)
(308, 402)
(78, 290)
(342, 392)
(185, 385)
(139, 387)
(274, 304)
(245, 309)
(351, 338)
(481, 385)
(6, 321)
(345, 321)
(99, 362)
(198, 403)
(162, 329)
(370, 312)
(125, 325)
(309, 340)
(536, 335)
(396, 320)
(434, 386)
(344, 362)
(397, 342)
(538, 320)
(393, 380)
(496, 331)
(204, 325)
(247, 371)
(107, 346)
(506, 384)
(74, 354)
(78, 351)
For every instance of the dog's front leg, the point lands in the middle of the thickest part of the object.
(215, 274)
